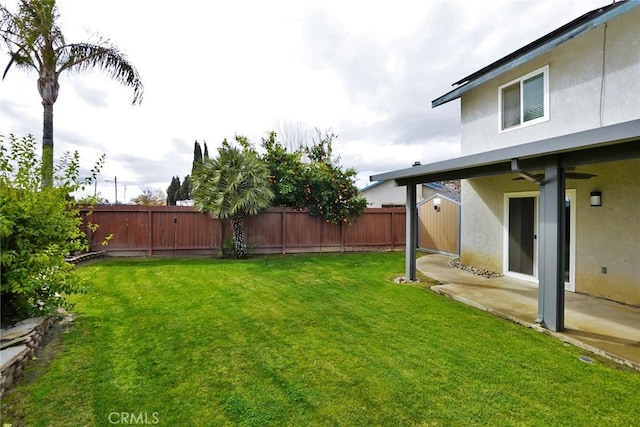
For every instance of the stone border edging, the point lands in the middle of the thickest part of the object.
(18, 345)
(85, 257)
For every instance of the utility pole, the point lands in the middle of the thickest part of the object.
(115, 185)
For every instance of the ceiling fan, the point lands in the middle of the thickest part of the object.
(539, 177)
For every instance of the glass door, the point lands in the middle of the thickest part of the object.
(522, 235)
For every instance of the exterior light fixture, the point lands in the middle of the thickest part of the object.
(436, 203)
(596, 198)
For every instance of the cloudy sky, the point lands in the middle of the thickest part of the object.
(212, 69)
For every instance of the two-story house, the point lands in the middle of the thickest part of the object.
(551, 162)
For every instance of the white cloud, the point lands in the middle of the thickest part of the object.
(369, 70)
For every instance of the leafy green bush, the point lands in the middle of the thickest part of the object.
(310, 177)
(39, 228)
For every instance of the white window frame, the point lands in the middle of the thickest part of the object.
(545, 77)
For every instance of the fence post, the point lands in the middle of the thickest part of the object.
(393, 232)
(150, 232)
(284, 233)
(221, 235)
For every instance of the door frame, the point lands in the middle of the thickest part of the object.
(569, 194)
(571, 284)
(505, 244)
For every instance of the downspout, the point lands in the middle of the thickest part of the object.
(602, 85)
(515, 167)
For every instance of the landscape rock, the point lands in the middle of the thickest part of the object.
(17, 331)
(18, 346)
(10, 355)
(474, 270)
(403, 280)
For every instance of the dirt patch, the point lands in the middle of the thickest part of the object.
(46, 353)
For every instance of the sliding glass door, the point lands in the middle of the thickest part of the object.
(521, 236)
(522, 224)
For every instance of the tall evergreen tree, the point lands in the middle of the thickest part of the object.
(185, 189)
(171, 191)
(197, 157)
(206, 150)
(177, 195)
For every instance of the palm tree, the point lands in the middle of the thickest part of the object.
(35, 41)
(233, 185)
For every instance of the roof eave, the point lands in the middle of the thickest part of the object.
(497, 162)
(531, 54)
(370, 186)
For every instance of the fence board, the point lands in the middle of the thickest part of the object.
(264, 230)
(375, 229)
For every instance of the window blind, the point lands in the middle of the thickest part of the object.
(533, 98)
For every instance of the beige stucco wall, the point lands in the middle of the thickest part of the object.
(580, 96)
(607, 236)
(482, 226)
(388, 193)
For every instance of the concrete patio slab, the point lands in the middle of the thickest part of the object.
(601, 326)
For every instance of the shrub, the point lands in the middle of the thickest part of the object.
(310, 177)
(39, 229)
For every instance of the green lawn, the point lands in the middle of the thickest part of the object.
(304, 340)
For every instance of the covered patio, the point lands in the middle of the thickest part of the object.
(545, 163)
(600, 326)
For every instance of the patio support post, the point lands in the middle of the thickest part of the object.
(411, 233)
(551, 247)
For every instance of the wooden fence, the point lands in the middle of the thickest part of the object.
(177, 230)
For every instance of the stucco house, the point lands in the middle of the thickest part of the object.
(551, 162)
(386, 194)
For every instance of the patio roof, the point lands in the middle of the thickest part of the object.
(553, 155)
(615, 142)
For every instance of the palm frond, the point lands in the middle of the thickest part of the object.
(105, 56)
(234, 182)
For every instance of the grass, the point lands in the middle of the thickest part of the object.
(304, 340)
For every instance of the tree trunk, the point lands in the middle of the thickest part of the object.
(239, 235)
(47, 146)
(48, 88)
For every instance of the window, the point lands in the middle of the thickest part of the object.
(524, 101)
